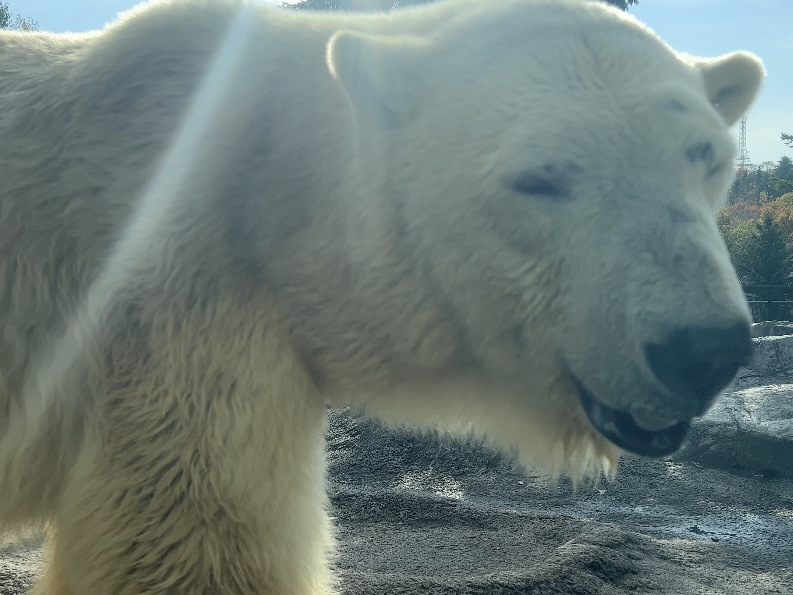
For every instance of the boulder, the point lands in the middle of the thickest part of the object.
(749, 430)
(771, 328)
(773, 357)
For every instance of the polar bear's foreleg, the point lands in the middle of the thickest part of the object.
(271, 536)
(52, 583)
(200, 474)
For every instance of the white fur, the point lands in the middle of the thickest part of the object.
(195, 259)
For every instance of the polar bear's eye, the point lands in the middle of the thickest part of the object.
(535, 185)
(545, 183)
(705, 153)
(700, 152)
(551, 181)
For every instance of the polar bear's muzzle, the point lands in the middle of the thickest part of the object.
(691, 368)
(624, 429)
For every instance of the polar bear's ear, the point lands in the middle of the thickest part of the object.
(732, 81)
(378, 74)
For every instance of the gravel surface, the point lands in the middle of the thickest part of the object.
(422, 514)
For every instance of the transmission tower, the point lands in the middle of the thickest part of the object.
(743, 162)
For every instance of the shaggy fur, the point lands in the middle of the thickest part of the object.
(217, 217)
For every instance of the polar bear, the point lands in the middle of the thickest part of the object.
(218, 217)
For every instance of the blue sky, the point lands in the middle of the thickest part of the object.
(702, 27)
(713, 27)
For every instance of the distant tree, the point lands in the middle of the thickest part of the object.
(743, 213)
(758, 252)
(759, 183)
(787, 139)
(742, 189)
(363, 5)
(390, 4)
(741, 240)
(736, 213)
(771, 255)
(25, 24)
(781, 210)
(623, 4)
(9, 21)
(782, 177)
(757, 223)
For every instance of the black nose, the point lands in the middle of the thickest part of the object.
(697, 362)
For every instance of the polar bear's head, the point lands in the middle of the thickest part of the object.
(558, 170)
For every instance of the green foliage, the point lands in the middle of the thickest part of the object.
(390, 4)
(782, 178)
(623, 4)
(9, 21)
(367, 5)
(741, 240)
(758, 251)
(764, 182)
(787, 139)
(771, 255)
(757, 225)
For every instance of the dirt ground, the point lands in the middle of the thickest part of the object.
(422, 515)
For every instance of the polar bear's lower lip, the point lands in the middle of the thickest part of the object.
(651, 422)
(638, 432)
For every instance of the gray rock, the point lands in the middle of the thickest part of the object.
(771, 328)
(773, 357)
(750, 430)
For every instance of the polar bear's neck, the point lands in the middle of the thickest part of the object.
(303, 240)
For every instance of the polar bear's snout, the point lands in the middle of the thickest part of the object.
(690, 369)
(696, 363)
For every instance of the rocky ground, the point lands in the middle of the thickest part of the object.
(417, 516)
(420, 514)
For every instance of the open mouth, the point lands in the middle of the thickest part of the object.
(639, 432)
